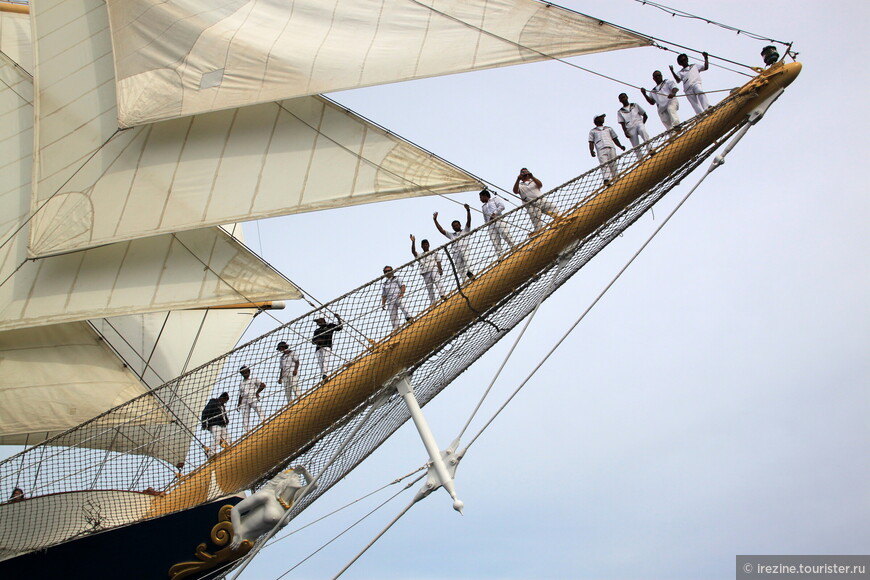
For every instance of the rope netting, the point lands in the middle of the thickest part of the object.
(150, 456)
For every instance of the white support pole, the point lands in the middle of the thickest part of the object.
(403, 387)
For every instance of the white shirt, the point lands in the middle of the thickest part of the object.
(248, 389)
(429, 262)
(492, 209)
(603, 137)
(391, 289)
(461, 244)
(529, 190)
(630, 116)
(288, 362)
(660, 93)
(690, 75)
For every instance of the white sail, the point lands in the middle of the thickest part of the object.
(192, 269)
(15, 39)
(162, 345)
(256, 162)
(182, 57)
(55, 377)
(97, 186)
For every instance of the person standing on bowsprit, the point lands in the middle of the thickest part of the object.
(322, 341)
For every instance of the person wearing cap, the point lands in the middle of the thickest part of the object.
(690, 76)
(214, 420)
(249, 396)
(322, 341)
(430, 268)
(392, 292)
(632, 118)
(288, 371)
(492, 209)
(604, 141)
(457, 249)
(663, 96)
(528, 187)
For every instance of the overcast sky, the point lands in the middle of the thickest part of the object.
(714, 403)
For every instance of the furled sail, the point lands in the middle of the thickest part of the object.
(182, 57)
(97, 185)
(200, 268)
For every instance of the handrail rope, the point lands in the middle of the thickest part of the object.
(594, 302)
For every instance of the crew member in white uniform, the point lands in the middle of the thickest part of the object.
(249, 396)
(492, 209)
(528, 187)
(288, 371)
(604, 141)
(430, 268)
(633, 118)
(663, 96)
(457, 250)
(392, 293)
(690, 76)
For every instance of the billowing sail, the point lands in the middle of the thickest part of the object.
(56, 377)
(15, 39)
(96, 185)
(200, 268)
(162, 345)
(182, 57)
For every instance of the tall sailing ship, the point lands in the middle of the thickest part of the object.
(140, 133)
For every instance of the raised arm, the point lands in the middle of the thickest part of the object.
(437, 225)
(467, 216)
(413, 245)
(676, 76)
(706, 61)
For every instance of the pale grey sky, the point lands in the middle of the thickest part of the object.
(714, 403)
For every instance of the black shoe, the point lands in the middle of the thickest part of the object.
(324, 377)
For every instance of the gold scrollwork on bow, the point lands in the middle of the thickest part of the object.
(221, 536)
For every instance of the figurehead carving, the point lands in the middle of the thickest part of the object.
(258, 513)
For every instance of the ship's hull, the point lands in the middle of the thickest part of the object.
(189, 545)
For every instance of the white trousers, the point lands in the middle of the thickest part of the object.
(246, 412)
(607, 159)
(459, 260)
(697, 98)
(393, 308)
(291, 385)
(324, 359)
(218, 438)
(635, 134)
(498, 231)
(536, 208)
(669, 115)
(433, 281)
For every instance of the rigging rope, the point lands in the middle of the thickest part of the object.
(683, 14)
